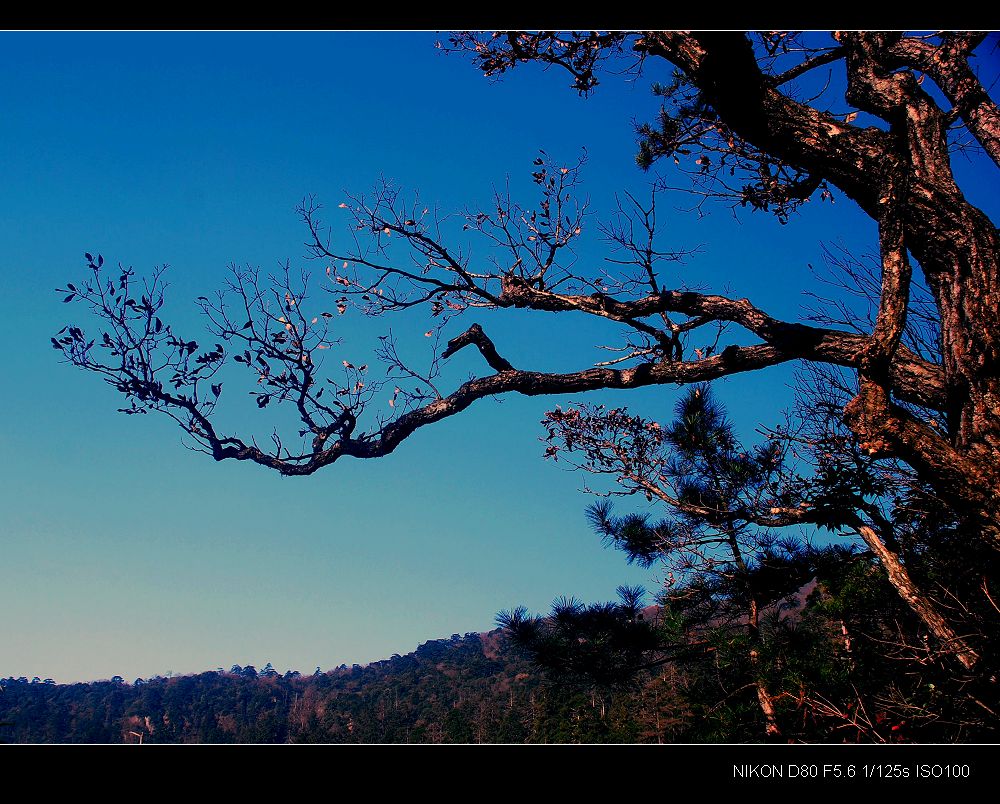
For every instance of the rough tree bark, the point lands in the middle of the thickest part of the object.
(955, 243)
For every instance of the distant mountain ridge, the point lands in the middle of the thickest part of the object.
(464, 689)
(475, 688)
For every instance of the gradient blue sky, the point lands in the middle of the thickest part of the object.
(124, 553)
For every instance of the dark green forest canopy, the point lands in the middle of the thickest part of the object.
(465, 689)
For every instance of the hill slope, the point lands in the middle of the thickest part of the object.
(463, 689)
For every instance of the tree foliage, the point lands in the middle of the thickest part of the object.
(776, 633)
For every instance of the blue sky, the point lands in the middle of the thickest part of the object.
(124, 553)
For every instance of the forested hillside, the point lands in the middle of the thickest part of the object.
(460, 690)
(840, 658)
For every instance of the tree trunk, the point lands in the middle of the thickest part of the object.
(772, 732)
(955, 243)
(950, 641)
